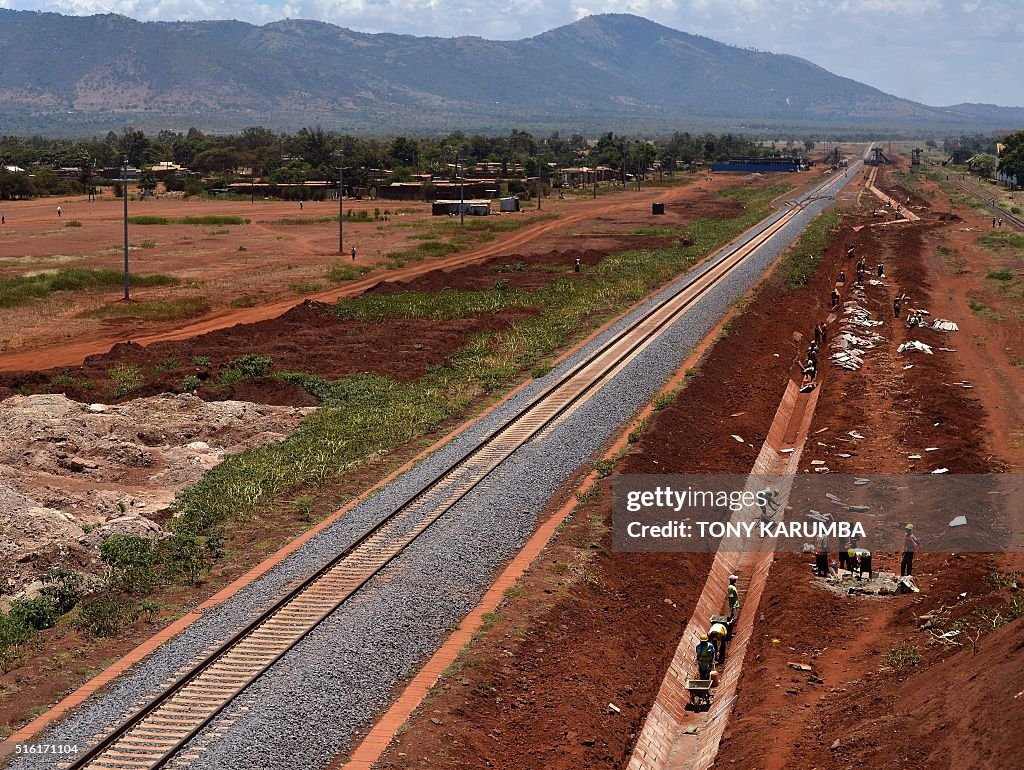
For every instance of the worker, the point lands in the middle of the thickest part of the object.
(769, 497)
(732, 594)
(835, 298)
(842, 277)
(896, 307)
(821, 556)
(705, 657)
(880, 270)
(577, 266)
(717, 634)
(910, 545)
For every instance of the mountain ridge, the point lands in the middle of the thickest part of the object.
(601, 71)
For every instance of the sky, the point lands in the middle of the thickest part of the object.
(939, 52)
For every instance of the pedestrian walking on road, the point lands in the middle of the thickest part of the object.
(1000, 221)
(58, 212)
(993, 223)
(910, 546)
(353, 253)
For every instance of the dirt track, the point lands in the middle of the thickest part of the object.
(90, 341)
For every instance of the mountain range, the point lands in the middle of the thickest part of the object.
(70, 74)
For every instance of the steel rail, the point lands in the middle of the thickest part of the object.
(165, 725)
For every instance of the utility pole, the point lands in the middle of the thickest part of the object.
(539, 189)
(252, 188)
(462, 190)
(341, 205)
(124, 195)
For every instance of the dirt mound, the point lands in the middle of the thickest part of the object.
(66, 468)
(308, 338)
(963, 712)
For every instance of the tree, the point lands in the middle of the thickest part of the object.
(1011, 160)
(147, 181)
(984, 165)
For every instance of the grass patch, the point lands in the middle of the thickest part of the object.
(292, 221)
(246, 300)
(155, 310)
(1000, 275)
(15, 292)
(72, 223)
(208, 220)
(366, 415)
(341, 272)
(436, 306)
(803, 259)
(904, 656)
(1002, 239)
(305, 287)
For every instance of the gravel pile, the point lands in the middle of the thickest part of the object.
(344, 672)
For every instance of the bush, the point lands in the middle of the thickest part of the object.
(190, 383)
(253, 365)
(131, 561)
(63, 587)
(105, 614)
(35, 614)
(185, 559)
(72, 223)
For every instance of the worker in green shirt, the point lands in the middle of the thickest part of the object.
(733, 596)
(705, 657)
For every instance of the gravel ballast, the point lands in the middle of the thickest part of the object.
(307, 709)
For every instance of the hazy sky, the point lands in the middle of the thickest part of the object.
(939, 52)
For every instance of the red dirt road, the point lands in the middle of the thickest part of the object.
(571, 214)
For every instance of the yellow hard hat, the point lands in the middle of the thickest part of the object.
(719, 629)
(909, 526)
(703, 637)
(851, 553)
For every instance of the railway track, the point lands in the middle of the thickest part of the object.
(997, 210)
(155, 734)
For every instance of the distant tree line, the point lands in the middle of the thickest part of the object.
(312, 154)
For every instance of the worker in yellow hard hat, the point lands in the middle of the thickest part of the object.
(705, 657)
(717, 635)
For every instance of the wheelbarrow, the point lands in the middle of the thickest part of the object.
(700, 692)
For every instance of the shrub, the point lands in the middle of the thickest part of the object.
(35, 614)
(72, 223)
(1000, 275)
(904, 656)
(131, 561)
(127, 377)
(190, 384)
(63, 587)
(201, 360)
(185, 559)
(105, 614)
(252, 365)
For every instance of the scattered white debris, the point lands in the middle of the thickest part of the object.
(914, 345)
(613, 707)
(942, 325)
(98, 408)
(845, 455)
(914, 457)
(787, 451)
(859, 482)
(940, 470)
(931, 449)
(737, 414)
(738, 438)
(817, 462)
(959, 521)
(821, 469)
(908, 366)
(855, 434)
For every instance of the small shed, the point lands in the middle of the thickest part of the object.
(508, 204)
(471, 208)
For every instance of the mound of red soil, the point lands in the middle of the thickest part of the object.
(966, 711)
